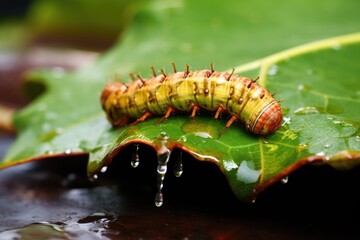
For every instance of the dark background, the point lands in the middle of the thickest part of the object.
(13, 8)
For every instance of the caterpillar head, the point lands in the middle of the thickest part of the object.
(109, 103)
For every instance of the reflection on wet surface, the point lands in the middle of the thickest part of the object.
(54, 198)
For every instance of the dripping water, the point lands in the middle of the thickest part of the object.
(178, 167)
(163, 158)
(135, 159)
(285, 180)
(93, 178)
(103, 169)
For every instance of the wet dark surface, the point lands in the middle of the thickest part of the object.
(316, 203)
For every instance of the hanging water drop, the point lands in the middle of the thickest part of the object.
(135, 159)
(93, 178)
(178, 167)
(103, 169)
(163, 159)
(285, 180)
(159, 200)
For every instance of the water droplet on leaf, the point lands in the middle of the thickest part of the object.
(273, 70)
(306, 110)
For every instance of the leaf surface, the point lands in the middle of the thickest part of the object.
(318, 84)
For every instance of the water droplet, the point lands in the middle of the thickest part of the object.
(310, 71)
(320, 153)
(163, 136)
(103, 169)
(302, 87)
(273, 70)
(159, 199)
(163, 159)
(200, 128)
(247, 172)
(135, 159)
(178, 167)
(306, 110)
(93, 178)
(327, 145)
(67, 151)
(182, 139)
(202, 134)
(285, 180)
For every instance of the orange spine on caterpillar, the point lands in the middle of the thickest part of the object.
(243, 98)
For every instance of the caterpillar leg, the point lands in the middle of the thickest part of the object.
(231, 121)
(218, 111)
(228, 124)
(141, 119)
(167, 114)
(194, 110)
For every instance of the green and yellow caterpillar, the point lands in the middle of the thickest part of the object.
(190, 91)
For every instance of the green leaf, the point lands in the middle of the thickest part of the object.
(317, 83)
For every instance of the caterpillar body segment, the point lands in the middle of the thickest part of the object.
(188, 91)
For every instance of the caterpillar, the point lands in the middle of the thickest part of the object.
(189, 91)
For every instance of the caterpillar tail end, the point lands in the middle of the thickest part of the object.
(269, 121)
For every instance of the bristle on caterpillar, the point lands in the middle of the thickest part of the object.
(241, 97)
